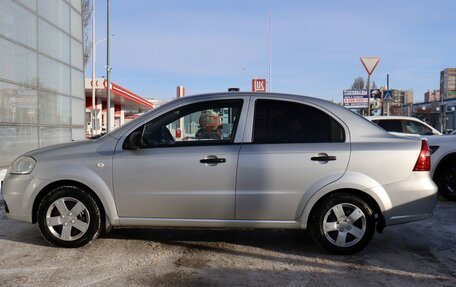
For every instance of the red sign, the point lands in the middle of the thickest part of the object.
(259, 85)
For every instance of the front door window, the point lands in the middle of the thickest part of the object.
(198, 124)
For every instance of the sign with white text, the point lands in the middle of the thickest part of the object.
(357, 99)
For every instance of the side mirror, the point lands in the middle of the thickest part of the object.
(133, 141)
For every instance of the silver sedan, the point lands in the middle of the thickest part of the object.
(228, 160)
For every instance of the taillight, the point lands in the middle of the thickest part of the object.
(424, 159)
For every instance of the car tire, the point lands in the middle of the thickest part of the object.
(69, 217)
(342, 224)
(446, 181)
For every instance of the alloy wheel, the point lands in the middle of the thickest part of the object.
(67, 219)
(344, 225)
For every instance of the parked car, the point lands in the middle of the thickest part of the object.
(406, 125)
(253, 161)
(443, 149)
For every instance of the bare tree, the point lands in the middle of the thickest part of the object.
(374, 85)
(86, 16)
(358, 84)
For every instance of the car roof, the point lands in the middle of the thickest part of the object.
(392, 118)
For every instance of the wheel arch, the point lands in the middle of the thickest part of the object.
(51, 186)
(379, 218)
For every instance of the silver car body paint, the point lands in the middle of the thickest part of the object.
(260, 186)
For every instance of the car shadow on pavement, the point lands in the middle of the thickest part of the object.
(297, 242)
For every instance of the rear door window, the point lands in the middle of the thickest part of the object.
(289, 122)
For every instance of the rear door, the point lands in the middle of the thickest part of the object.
(294, 148)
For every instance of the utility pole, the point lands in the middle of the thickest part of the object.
(442, 113)
(108, 71)
(270, 51)
(387, 88)
(94, 116)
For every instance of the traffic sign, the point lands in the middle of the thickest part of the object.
(370, 63)
(259, 85)
(387, 95)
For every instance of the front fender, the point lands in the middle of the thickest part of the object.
(99, 181)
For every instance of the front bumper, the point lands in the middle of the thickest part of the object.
(19, 192)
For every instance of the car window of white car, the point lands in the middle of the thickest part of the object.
(390, 125)
(413, 127)
(204, 123)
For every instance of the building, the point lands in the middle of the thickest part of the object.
(448, 83)
(400, 104)
(41, 75)
(432, 96)
(125, 105)
(434, 112)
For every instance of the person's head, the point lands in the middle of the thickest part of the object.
(209, 120)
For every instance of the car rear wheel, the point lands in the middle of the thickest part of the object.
(446, 181)
(69, 217)
(342, 224)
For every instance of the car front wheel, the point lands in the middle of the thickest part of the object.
(342, 224)
(69, 217)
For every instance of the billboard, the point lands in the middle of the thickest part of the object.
(357, 99)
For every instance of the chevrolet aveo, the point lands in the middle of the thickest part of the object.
(228, 160)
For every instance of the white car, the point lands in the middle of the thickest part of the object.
(443, 149)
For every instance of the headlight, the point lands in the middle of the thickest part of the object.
(23, 165)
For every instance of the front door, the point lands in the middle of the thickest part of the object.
(186, 167)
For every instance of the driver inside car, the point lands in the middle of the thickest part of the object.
(210, 126)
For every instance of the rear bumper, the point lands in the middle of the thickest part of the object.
(411, 200)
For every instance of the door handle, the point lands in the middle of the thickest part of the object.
(212, 160)
(323, 157)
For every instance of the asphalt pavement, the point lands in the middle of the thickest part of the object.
(414, 254)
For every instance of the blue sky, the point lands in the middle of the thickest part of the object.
(205, 44)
